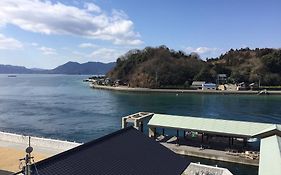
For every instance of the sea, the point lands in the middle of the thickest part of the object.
(66, 108)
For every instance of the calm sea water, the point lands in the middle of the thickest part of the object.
(63, 107)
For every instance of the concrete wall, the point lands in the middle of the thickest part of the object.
(37, 141)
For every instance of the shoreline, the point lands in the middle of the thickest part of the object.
(128, 89)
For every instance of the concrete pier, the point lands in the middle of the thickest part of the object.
(209, 154)
(136, 119)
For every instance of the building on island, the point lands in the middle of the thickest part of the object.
(221, 79)
(209, 86)
(197, 84)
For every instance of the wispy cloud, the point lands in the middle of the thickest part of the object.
(56, 18)
(91, 7)
(204, 52)
(48, 50)
(105, 54)
(87, 45)
(201, 50)
(7, 43)
(34, 44)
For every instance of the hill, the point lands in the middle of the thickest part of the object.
(157, 67)
(89, 68)
(9, 69)
(162, 67)
(246, 65)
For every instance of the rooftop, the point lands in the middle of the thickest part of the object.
(200, 169)
(126, 151)
(213, 126)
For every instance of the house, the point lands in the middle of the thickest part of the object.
(209, 86)
(241, 86)
(197, 84)
(221, 79)
(126, 152)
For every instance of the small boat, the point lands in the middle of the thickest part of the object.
(263, 92)
(12, 76)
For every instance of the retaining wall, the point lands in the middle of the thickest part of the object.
(37, 141)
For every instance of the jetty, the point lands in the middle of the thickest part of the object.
(218, 139)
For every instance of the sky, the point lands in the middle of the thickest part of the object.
(45, 34)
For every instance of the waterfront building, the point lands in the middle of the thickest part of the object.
(126, 152)
(269, 135)
(197, 84)
(221, 79)
(209, 86)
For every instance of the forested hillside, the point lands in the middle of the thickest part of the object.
(246, 65)
(162, 67)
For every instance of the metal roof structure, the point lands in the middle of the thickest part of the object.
(270, 135)
(200, 169)
(212, 126)
(126, 152)
(270, 156)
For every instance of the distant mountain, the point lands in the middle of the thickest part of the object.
(85, 68)
(94, 68)
(9, 69)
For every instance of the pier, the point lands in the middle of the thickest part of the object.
(218, 139)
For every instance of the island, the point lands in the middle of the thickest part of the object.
(162, 68)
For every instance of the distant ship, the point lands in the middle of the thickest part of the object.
(12, 76)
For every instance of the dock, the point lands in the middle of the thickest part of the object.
(218, 139)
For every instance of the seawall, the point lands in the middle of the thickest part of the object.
(42, 144)
(128, 89)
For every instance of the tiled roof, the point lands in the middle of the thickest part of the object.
(125, 152)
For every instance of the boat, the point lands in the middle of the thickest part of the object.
(12, 76)
(263, 92)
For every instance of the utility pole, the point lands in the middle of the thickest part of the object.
(27, 159)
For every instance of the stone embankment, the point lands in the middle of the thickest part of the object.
(178, 91)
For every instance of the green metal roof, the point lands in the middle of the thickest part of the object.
(270, 156)
(207, 125)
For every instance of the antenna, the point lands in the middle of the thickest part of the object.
(27, 159)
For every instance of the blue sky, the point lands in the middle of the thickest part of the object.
(45, 34)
